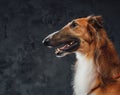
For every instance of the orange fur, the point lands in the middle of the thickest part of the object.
(95, 45)
(105, 58)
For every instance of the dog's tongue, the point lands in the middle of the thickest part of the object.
(64, 47)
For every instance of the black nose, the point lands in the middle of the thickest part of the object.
(46, 42)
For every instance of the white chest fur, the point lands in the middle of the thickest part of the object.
(85, 75)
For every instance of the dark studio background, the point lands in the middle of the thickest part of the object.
(26, 66)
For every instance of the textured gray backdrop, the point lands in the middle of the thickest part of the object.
(26, 66)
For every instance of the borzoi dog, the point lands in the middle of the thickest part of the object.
(97, 69)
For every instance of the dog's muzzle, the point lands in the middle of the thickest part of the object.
(46, 42)
(64, 44)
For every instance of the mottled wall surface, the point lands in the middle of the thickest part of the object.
(26, 66)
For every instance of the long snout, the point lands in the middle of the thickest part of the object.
(47, 40)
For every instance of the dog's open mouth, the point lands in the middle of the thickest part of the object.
(67, 47)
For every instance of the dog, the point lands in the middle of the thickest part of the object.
(97, 69)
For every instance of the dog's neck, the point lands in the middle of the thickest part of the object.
(85, 75)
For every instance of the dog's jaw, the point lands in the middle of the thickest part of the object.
(85, 75)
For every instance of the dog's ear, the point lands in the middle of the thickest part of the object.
(96, 21)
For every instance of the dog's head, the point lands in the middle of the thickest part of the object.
(77, 35)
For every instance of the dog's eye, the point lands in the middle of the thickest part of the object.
(73, 24)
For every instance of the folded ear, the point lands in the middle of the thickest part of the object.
(96, 21)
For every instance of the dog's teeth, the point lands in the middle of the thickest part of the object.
(68, 45)
(57, 50)
(71, 43)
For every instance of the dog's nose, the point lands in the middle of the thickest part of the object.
(46, 42)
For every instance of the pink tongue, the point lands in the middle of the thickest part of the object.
(65, 46)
